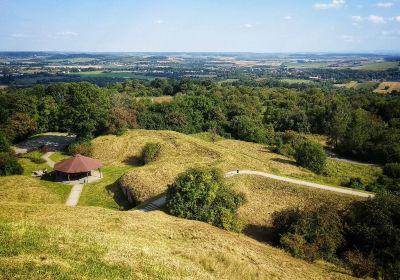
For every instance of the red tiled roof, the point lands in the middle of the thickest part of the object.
(78, 164)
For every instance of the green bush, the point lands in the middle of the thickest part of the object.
(392, 170)
(372, 227)
(150, 152)
(201, 194)
(311, 156)
(4, 144)
(83, 147)
(312, 233)
(9, 165)
(355, 183)
(35, 157)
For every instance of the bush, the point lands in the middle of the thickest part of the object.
(372, 227)
(360, 265)
(392, 170)
(119, 120)
(311, 156)
(313, 233)
(201, 194)
(4, 144)
(355, 183)
(35, 157)
(9, 165)
(150, 152)
(84, 148)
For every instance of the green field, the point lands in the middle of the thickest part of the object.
(297, 81)
(377, 66)
(120, 74)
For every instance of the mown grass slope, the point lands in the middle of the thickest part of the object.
(58, 242)
(179, 152)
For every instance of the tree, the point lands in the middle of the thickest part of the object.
(372, 228)
(84, 110)
(4, 144)
(311, 156)
(201, 194)
(119, 120)
(312, 233)
(9, 165)
(245, 128)
(19, 127)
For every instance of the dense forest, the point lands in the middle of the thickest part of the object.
(364, 126)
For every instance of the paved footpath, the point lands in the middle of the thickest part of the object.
(76, 190)
(74, 195)
(159, 202)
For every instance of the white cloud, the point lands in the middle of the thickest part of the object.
(385, 4)
(158, 21)
(332, 5)
(18, 35)
(288, 17)
(66, 34)
(248, 25)
(376, 19)
(356, 19)
(398, 18)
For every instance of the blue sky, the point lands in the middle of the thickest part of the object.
(200, 25)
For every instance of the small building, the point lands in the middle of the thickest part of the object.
(78, 167)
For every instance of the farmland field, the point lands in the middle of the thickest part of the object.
(119, 74)
(377, 66)
(388, 87)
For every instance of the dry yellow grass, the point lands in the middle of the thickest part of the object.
(351, 84)
(266, 196)
(388, 87)
(25, 189)
(179, 151)
(96, 243)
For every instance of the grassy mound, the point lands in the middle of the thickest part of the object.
(30, 190)
(179, 152)
(52, 241)
(266, 196)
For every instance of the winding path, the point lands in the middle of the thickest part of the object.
(159, 202)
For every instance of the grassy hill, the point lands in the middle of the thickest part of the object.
(179, 151)
(51, 241)
(40, 238)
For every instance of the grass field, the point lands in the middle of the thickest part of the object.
(58, 242)
(179, 152)
(116, 74)
(388, 87)
(266, 196)
(378, 66)
(359, 85)
(297, 81)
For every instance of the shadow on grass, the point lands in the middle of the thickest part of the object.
(260, 233)
(119, 197)
(134, 161)
(285, 161)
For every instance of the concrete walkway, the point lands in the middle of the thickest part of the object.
(48, 160)
(159, 202)
(74, 195)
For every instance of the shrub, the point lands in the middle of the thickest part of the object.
(201, 194)
(248, 129)
(9, 165)
(355, 183)
(311, 156)
(119, 120)
(4, 144)
(150, 152)
(392, 170)
(372, 227)
(360, 265)
(312, 233)
(83, 147)
(34, 156)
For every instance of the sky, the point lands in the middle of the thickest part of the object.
(200, 25)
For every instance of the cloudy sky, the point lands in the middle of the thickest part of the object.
(200, 25)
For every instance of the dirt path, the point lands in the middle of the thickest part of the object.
(159, 202)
